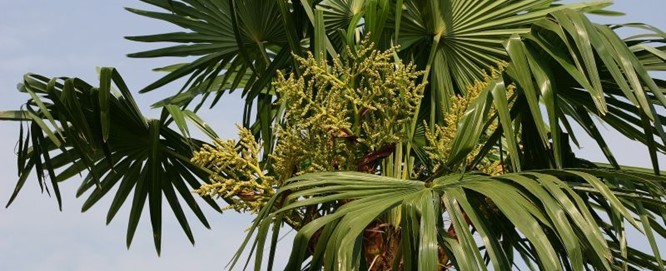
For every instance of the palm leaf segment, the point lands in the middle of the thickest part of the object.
(234, 43)
(237, 44)
(580, 69)
(75, 127)
(543, 216)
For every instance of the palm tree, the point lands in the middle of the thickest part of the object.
(477, 171)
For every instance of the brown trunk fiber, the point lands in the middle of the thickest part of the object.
(381, 243)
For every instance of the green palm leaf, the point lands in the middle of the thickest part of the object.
(596, 74)
(521, 211)
(469, 37)
(233, 42)
(100, 130)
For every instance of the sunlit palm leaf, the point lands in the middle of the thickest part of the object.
(523, 211)
(578, 70)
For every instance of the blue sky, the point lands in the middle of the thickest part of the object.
(71, 38)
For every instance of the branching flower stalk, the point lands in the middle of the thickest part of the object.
(346, 115)
(237, 175)
(440, 138)
(339, 116)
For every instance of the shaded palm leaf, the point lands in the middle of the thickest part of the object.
(234, 42)
(75, 127)
(460, 40)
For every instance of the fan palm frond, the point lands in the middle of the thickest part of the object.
(550, 218)
(75, 127)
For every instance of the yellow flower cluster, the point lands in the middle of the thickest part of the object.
(337, 114)
(236, 174)
(441, 137)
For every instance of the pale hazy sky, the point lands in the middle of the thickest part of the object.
(71, 38)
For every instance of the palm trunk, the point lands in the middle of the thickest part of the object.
(381, 242)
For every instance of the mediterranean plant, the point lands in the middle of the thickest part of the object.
(391, 134)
